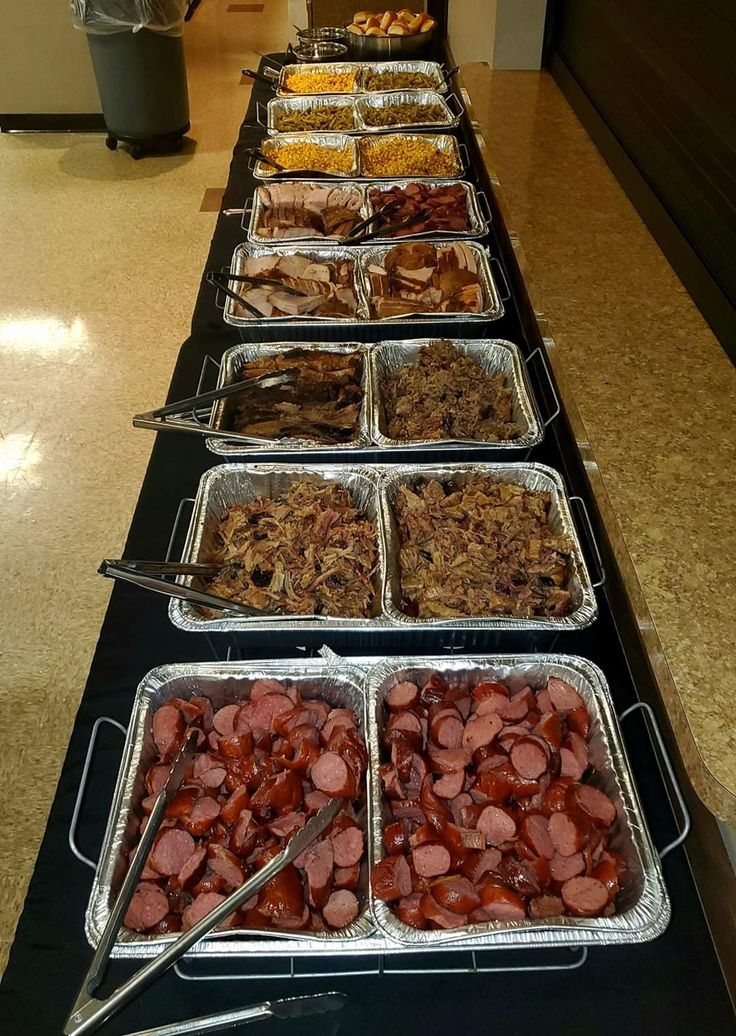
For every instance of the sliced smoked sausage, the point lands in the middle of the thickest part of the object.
(391, 878)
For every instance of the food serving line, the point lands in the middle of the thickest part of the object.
(378, 966)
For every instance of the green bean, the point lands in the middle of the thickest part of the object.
(325, 117)
(404, 114)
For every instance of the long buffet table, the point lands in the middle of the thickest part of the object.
(674, 982)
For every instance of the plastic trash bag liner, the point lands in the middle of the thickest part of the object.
(103, 17)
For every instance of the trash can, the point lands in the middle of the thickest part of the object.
(138, 57)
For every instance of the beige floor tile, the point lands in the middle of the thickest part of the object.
(100, 265)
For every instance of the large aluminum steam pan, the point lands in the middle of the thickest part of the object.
(446, 118)
(318, 254)
(341, 686)
(493, 309)
(301, 103)
(429, 68)
(336, 141)
(494, 356)
(536, 477)
(351, 68)
(256, 208)
(642, 906)
(229, 484)
(230, 368)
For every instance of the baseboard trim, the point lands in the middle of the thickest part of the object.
(33, 122)
(707, 294)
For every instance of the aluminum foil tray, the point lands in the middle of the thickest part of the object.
(643, 905)
(341, 686)
(366, 101)
(493, 306)
(337, 141)
(282, 84)
(537, 477)
(495, 356)
(278, 106)
(443, 142)
(229, 484)
(253, 216)
(477, 222)
(429, 68)
(232, 363)
(324, 253)
(644, 902)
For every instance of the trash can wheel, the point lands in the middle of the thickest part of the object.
(111, 142)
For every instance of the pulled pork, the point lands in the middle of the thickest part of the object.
(446, 395)
(308, 551)
(477, 549)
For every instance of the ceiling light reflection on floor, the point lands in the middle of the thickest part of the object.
(46, 336)
(18, 453)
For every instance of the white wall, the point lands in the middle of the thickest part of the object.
(45, 66)
(505, 33)
(471, 30)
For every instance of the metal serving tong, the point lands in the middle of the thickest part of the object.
(199, 408)
(152, 575)
(88, 1011)
(290, 1007)
(268, 80)
(221, 281)
(379, 214)
(416, 217)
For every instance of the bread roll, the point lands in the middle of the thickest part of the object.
(415, 24)
(405, 14)
(374, 31)
(357, 29)
(398, 29)
(371, 23)
(386, 20)
(427, 25)
(361, 17)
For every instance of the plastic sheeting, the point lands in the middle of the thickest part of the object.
(103, 17)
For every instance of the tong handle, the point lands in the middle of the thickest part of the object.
(107, 940)
(220, 281)
(180, 591)
(258, 77)
(284, 377)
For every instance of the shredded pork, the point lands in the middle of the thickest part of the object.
(446, 395)
(481, 548)
(309, 551)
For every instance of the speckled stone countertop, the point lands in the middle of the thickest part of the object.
(656, 398)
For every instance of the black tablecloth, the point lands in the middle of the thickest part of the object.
(673, 984)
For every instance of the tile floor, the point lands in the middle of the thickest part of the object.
(84, 346)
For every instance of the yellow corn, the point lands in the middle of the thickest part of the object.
(320, 82)
(301, 154)
(405, 156)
